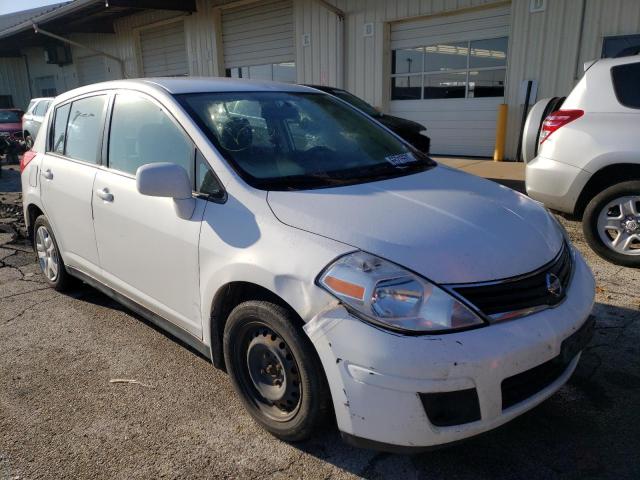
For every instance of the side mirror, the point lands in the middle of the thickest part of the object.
(167, 180)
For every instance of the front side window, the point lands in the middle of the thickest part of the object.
(59, 131)
(290, 141)
(206, 181)
(84, 130)
(142, 132)
(467, 69)
(626, 82)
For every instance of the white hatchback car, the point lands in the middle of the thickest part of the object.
(326, 263)
(584, 157)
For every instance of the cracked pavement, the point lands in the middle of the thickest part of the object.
(61, 418)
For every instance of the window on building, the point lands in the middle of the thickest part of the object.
(142, 132)
(6, 101)
(279, 72)
(626, 79)
(84, 131)
(468, 69)
(620, 45)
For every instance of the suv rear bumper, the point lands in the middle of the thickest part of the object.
(557, 185)
(379, 380)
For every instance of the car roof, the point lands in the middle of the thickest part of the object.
(180, 85)
(10, 110)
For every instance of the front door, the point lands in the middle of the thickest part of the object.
(146, 251)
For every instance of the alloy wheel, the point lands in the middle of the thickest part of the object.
(47, 254)
(619, 225)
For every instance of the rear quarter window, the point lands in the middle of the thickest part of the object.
(626, 84)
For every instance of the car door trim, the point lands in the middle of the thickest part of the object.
(154, 318)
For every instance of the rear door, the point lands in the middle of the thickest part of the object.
(67, 174)
(147, 252)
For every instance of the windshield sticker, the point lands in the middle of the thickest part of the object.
(400, 159)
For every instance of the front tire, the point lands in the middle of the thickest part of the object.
(611, 224)
(275, 370)
(49, 258)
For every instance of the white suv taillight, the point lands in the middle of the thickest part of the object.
(556, 120)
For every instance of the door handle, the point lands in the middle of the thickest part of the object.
(105, 195)
(48, 174)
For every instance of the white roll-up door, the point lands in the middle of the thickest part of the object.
(92, 69)
(163, 50)
(448, 73)
(259, 33)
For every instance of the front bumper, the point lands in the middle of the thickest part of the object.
(376, 376)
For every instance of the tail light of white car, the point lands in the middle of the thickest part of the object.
(558, 120)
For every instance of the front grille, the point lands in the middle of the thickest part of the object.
(522, 293)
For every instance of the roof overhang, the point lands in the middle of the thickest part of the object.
(81, 16)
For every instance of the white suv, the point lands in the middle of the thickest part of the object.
(588, 157)
(326, 263)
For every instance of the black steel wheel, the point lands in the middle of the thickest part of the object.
(275, 370)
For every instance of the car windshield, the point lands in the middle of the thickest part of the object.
(296, 141)
(356, 102)
(10, 116)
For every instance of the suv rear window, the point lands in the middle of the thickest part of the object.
(626, 79)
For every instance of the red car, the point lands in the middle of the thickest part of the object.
(11, 143)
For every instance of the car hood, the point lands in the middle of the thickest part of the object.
(10, 127)
(396, 123)
(448, 226)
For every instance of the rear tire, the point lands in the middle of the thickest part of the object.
(275, 370)
(617, 206)
(49, 258)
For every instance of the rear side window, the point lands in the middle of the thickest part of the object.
(59, 132)
(84, 131)
(142, 132)
(42, 108)
(626, 84)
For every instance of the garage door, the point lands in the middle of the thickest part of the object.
(448, 73)
(163, 50)
(258, 40)
(91, 69)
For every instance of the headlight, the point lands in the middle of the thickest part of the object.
(386, 294)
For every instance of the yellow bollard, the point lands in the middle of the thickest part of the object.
(501, 133)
